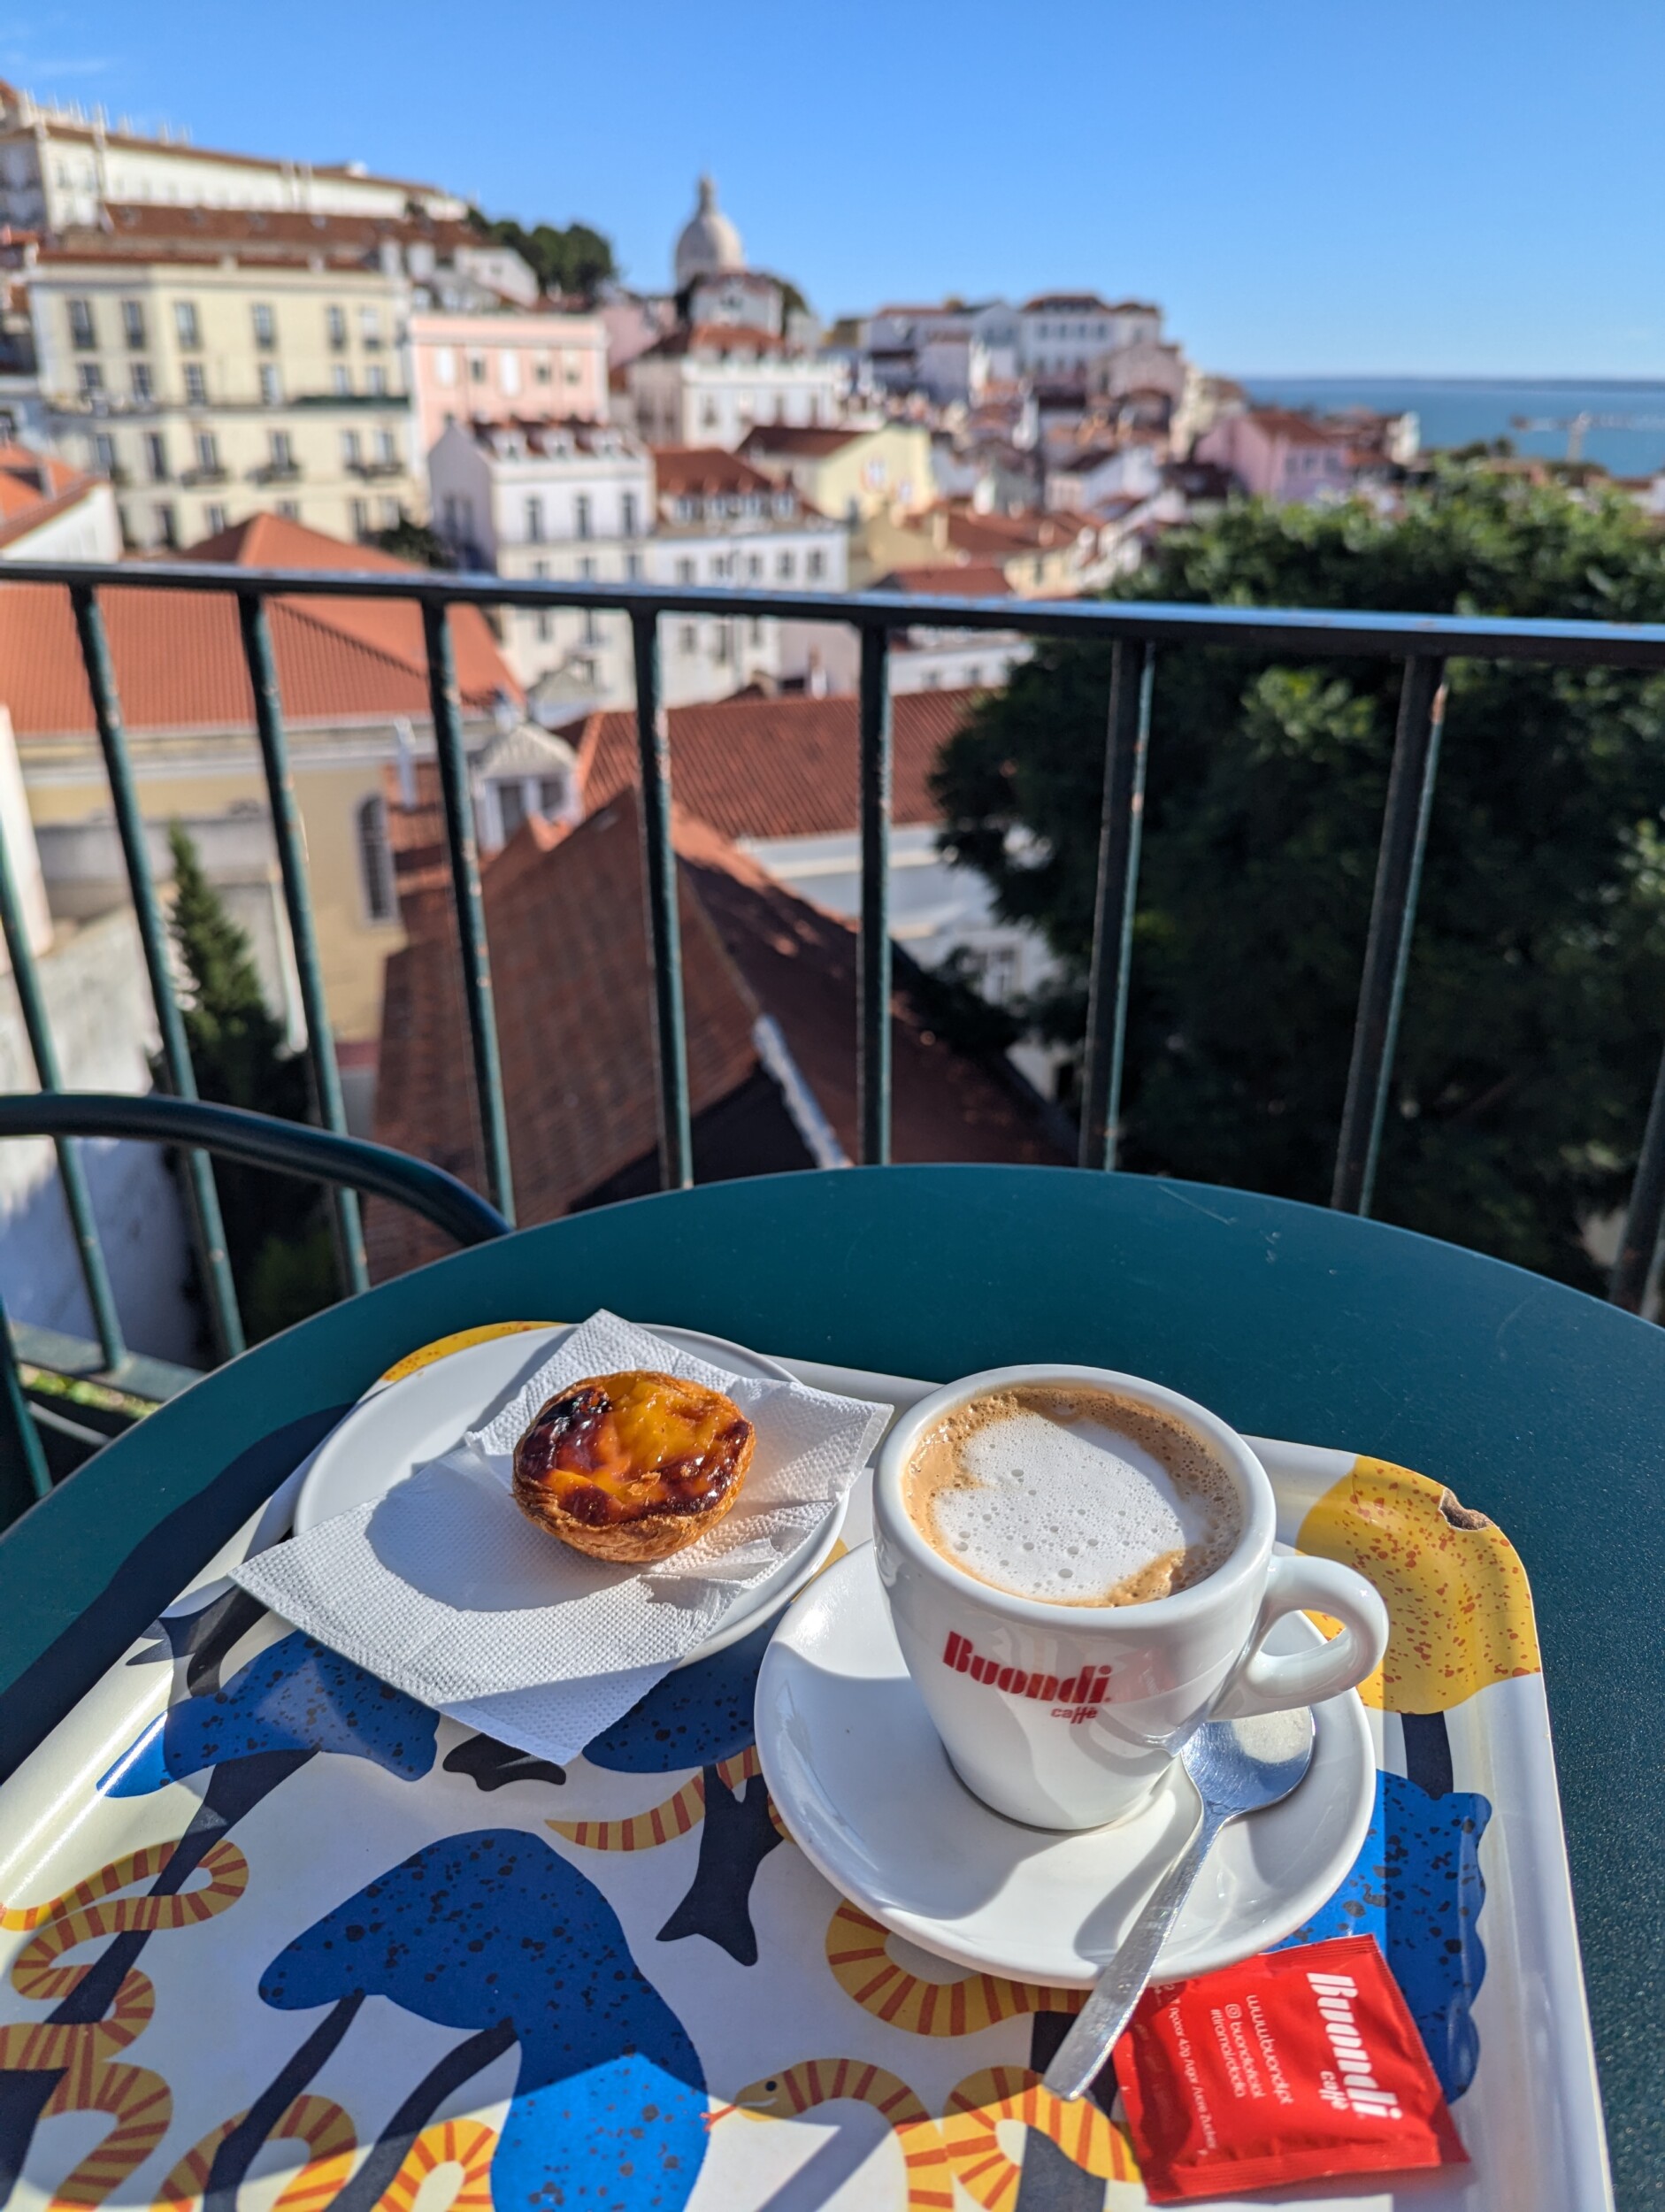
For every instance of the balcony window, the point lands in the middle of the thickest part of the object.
(186, 326)
(370, 329)
(685, 572)
(688, 638)
(786, 566)
(270, 394)
(167, 528)
(196, 385)
(82, 336)
(592, 626)
(719, 645)
(388, 448)
(477, 368)
(341, 380)
(91, 377)
(815, 565)
(335, 327)
(133, 323)
(581, 515)
(139, 378)
(105, 454)
(708, 415)
(265, 328)
(156, 456)
(541, 369)
(754, 565)
(358, 510)
(534, 520)
(376, 380)
(287, 509)
(375, 860)
(208, 452)
(627, 513)
(214, 518)
(283, 451)
(349, 449)
(633, 567)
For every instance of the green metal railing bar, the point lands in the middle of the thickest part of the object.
(1627, 1285)
(464, 849)
(1399, 869)
(297, 899)
(1127, 749)
(72, 1175)
(1250, 629)
(24, 1476)
(208, 1230)
(292, 1148)
(873, 996)
(664, 932)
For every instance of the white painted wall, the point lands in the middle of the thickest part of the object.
(98, 1005)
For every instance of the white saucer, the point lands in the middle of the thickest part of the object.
(859, 1777)
(395, 1431)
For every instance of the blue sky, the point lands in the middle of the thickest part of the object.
(1464, 188)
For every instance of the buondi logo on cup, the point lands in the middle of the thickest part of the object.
(1073, 1697)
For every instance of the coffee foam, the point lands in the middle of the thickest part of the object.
(1072, 1497)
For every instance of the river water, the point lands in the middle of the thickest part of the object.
(1457, 410)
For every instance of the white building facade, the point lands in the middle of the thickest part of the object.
(572, 503)
(713, 383)
(1063, 334)
(59, 165)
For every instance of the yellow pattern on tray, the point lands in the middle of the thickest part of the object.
(330, 2140)
(817, 2081)
(857, 1952)
(971, 2134)
(139, 2101)
(442, 1347)
(1458, 1603)
(672, 1818)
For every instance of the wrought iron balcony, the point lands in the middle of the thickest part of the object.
(1138, 632)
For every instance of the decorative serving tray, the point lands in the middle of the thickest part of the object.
(270, 1926)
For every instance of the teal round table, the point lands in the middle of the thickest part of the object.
(1539, 1406)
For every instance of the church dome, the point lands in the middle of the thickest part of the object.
(710, 244)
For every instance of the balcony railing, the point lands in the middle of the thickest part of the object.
(1138, 632)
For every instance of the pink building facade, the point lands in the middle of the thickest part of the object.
(504, 367)
(1279, 456)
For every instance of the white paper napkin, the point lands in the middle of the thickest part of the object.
(445, 1589)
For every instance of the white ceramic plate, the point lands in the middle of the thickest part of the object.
(861, 1779)
(392, 1432)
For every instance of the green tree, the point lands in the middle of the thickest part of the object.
(1536, 997)
(277, 1236)
(576, 260)
(418, 543)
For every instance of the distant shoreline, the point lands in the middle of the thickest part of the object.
(1472, 383)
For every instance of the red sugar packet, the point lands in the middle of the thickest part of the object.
(1290, 2067)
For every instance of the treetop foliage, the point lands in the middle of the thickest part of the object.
(1535, 1004)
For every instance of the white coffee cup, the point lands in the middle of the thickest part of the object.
(1069, 1715)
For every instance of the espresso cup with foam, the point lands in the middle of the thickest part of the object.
(1079, 1569)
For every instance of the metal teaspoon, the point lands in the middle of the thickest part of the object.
(1239, 1766)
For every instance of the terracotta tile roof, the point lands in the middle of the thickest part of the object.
(966, 580)
(1293, 429)
(179, 659)
(28, 478)
(788, 440)
(143, 223)
(706, 468)
(1066, 303)
(577, 1031)
(1000, 536)
(723, 338)
(777, 767)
